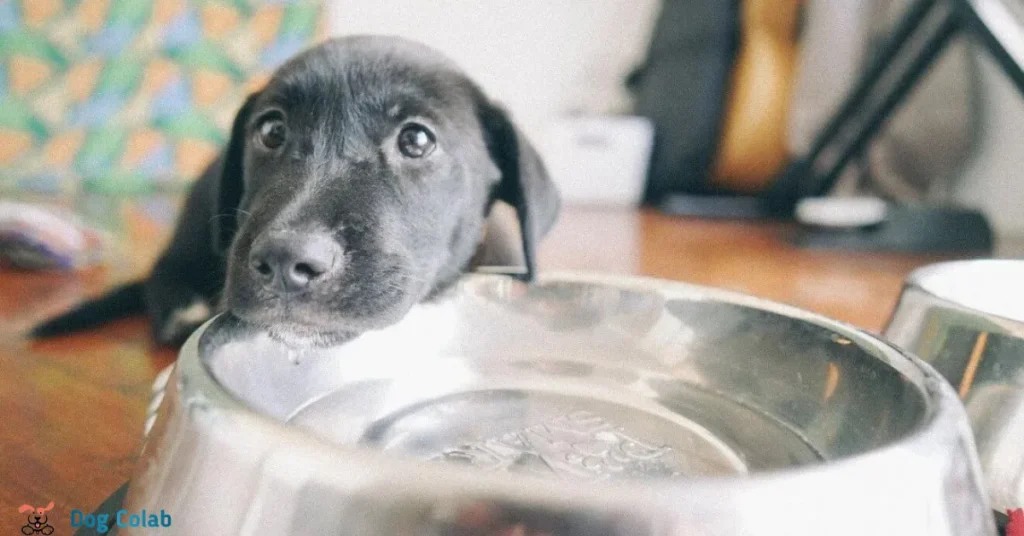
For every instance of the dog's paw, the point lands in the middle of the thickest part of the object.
(177, 324)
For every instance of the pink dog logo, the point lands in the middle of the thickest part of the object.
(37, 520)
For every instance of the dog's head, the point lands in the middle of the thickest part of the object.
(357, 183)
(36, 515)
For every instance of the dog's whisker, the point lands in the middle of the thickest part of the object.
(236, 211)
(411, 278)
(394, 286)
(246, 213)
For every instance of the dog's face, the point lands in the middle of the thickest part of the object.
(36, 515)
(357, 183)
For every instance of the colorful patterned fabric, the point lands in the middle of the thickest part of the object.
(128, 95)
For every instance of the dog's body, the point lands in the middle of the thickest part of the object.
(357, 183)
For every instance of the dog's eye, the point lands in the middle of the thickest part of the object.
(272, 133)
(416, 141)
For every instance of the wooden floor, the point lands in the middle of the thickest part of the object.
(73, 408)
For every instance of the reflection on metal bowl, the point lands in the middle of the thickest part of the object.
(966, 318)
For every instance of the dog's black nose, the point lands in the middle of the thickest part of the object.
(287, 262)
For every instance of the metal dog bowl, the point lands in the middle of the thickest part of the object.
(967, 319)
(582, 405)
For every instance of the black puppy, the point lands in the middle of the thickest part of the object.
(357, 183)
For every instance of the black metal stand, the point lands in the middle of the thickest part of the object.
(888, 81)
(908, 229)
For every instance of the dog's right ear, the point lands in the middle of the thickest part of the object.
(231, 184)
(26, 508)
(525, 184)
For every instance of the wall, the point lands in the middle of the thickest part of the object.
(994, 178)
(572, 55)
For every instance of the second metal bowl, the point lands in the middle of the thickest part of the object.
(966, 318)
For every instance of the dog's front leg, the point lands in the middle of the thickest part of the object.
(175, 305)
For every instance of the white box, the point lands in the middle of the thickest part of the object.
(597, 160)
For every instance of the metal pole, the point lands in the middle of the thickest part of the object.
(909, 24)
(999, 31)
(929, 52)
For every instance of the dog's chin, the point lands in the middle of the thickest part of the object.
(302, 336)
(313, 324)
(302, 333)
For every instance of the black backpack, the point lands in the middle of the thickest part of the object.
(682, 88)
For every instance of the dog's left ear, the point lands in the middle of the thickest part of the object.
(525, 184)
(230, 184)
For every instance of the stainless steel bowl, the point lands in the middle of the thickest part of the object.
(583, 404)
(967, 319)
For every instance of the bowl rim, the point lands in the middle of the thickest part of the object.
(917, 280)
(944, 421)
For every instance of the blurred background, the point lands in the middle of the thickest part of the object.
(692, 140)
(109, 108)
